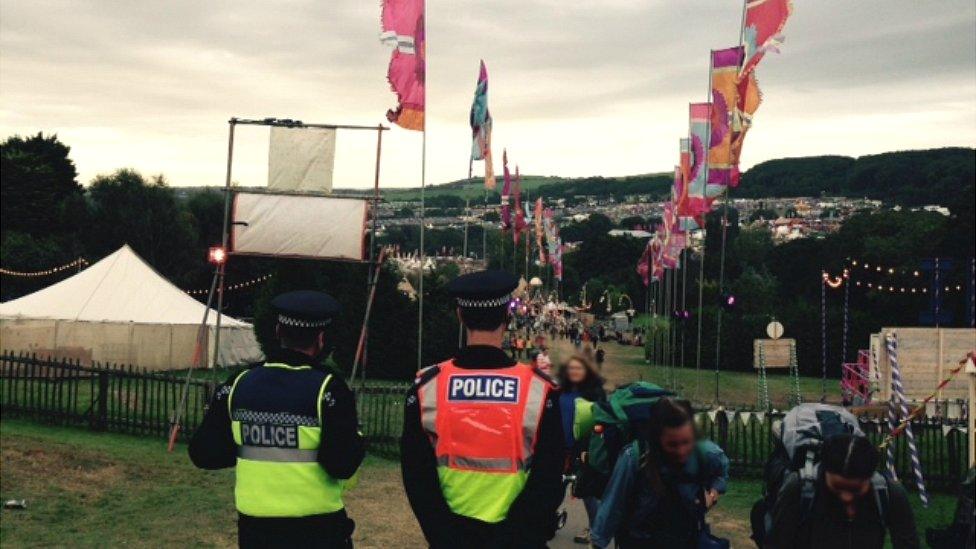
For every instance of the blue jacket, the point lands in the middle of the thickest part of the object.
(629, 505)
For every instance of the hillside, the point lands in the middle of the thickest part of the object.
(546, 186)
(909, 178)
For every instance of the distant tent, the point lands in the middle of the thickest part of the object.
(122, 311)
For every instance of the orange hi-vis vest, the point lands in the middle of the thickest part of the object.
(483, 425)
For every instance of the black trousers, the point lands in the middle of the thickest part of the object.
(329, 531)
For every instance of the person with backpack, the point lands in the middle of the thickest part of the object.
(847, 505)
(579, 379)
(662, 484)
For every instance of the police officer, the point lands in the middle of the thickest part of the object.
(481, 451)
(290, 429)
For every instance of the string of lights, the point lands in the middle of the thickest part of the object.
(874, 267)
(238, 286)
(80, 262)
(905, 289)
(835, 282)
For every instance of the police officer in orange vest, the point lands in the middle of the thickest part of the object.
(481, 451)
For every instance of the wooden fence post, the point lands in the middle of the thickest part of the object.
(101, 419)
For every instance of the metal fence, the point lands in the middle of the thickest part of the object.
(129, 400)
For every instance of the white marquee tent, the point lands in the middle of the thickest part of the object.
(120, 310)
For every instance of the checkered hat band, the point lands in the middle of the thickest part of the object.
(298, 323)
(485, 303)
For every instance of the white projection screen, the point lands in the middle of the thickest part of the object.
(314, 227)
(301, 159)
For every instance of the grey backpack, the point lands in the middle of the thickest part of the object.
(796, 450)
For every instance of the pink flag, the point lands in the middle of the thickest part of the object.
(762, 29)
(506, 189)
(539, 231)
(725, 70)
(519, 211)
(644, 264)
(403, 29)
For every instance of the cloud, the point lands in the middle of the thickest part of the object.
(581, 88)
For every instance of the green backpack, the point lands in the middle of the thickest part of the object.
(603, 429)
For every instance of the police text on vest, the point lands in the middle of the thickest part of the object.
(264, 434)
(483, 388)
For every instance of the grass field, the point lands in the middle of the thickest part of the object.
(625, 363)
(85, 489)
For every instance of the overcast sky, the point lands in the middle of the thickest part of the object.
(576, 88)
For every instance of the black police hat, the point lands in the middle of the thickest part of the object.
(483, 289)
(306, 309)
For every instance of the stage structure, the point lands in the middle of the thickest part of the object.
(926, 354)
(295, 217)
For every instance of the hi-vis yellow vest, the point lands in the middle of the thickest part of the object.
(277, 425)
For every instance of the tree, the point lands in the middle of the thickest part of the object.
(39, 191)
(126, 208)
(595, 226)
(765, 214)
(42, 209)
(632, 222)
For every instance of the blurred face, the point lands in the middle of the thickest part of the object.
(677, 443)
(575, 372)
(847, 490)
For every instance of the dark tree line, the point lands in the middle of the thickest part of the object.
(49, 219)
(908, 178)
(783, 281)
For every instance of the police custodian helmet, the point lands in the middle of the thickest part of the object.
(483, 289)
(306, 309)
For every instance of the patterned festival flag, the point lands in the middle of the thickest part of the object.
(679, 192)
(699, 201)
(506, 190)
(403, 29)
(553, 241)
(539, 234)
(644, 264)
(748, 98)
(519, 210)
(480, 119)
(725, 70)
(657, 265)
(762, 29)
(557, 262)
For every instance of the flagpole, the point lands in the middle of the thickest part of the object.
(684, 293)
(666, 334)
(423, 185)
(742, 25)
(484, 233)
(528, 243)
